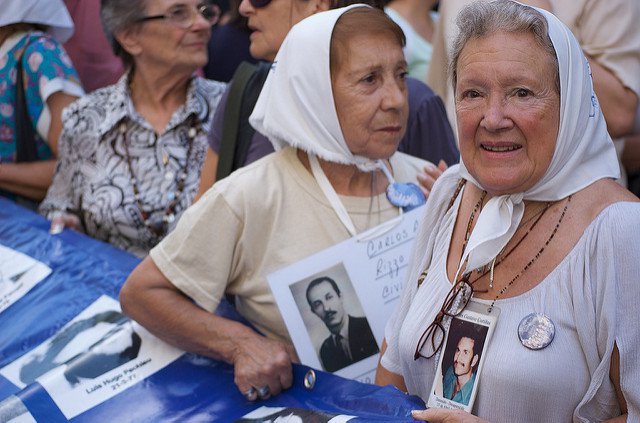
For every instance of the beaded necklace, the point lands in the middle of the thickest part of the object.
(159, 229)
(537, 216)
(533, 260)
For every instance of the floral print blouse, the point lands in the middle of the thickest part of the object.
(46, 70)
(107, 150)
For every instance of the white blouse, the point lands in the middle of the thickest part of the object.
(592, 296)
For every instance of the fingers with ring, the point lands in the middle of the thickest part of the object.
(250, 394)
(264, 392)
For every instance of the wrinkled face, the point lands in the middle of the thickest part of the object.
(508, 111)
(464, 358)
(327, 305)
(370, 94)
(270, 24)
(163, 44)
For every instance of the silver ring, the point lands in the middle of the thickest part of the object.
(249, 393)
(264, 391)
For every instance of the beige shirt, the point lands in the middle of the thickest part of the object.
(264, 216)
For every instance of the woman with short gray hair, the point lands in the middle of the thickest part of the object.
(524, 276)
(131, 153)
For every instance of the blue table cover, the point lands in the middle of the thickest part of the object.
(192, 388)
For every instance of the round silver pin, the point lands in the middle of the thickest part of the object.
(536, 331)
(310, 379)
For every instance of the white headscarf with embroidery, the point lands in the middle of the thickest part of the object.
(584, 153)
(296, 105)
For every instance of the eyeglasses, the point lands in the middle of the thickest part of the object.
(258, 4)
(455, 302)
(184, 16)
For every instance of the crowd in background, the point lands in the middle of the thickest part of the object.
(118, 116)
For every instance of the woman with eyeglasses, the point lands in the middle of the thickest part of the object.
(234, 143)
(131, 153)
(341, 74)
(529, 238)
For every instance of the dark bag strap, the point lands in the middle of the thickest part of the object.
(232, 119)
(26, 150)
(249, 99)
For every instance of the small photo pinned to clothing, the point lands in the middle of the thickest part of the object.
(292, 415)
(460, 362)
(334, 318)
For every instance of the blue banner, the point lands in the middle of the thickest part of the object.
(87, 274)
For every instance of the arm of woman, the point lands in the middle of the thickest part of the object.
(29, 180)
(385, 377)
(614, 375)
(208, 174)
(149, 298)
(32, 179)
(618, 103)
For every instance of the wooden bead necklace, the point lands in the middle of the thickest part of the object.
(159, 229)
(533, 260)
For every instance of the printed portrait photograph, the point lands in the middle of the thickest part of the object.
(87, 348)
(334, 318)
(461, 359)
(291, 415)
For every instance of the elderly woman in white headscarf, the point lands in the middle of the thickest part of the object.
(335, 106)
(531, 226)
(31, 33)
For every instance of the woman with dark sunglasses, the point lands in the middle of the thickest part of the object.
(131, 153)
(233, 145)
(530, 237)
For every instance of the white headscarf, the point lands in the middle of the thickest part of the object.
(584, 152)
(52, 13)
(296, 105)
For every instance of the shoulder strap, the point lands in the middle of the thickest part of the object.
(26, 150)
(249, 99)
(232, 118)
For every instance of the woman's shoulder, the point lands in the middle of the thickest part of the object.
(94, 100)
(210, 89)
(42, 51)
(599, 197)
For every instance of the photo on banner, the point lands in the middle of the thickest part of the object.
(291, 415)
(19, 273)
(13, 410)
(94, 357)
(337, 301)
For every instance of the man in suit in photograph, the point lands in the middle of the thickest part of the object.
(351, 339)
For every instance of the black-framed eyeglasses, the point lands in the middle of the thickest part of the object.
(183, 16)
(454, 303)
(258, 4)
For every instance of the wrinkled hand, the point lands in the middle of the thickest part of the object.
(431, 173)
(438, 415)
(259, 362)
(63, 220)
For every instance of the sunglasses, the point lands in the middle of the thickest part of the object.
(258, 4)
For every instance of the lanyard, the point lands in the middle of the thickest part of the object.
(331, 194)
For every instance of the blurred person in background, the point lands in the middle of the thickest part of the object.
(131, 153)
(234, 143)
(31, 33)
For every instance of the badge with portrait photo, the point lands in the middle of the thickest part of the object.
(461, 361)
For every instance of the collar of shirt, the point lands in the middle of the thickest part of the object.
(119, 106)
